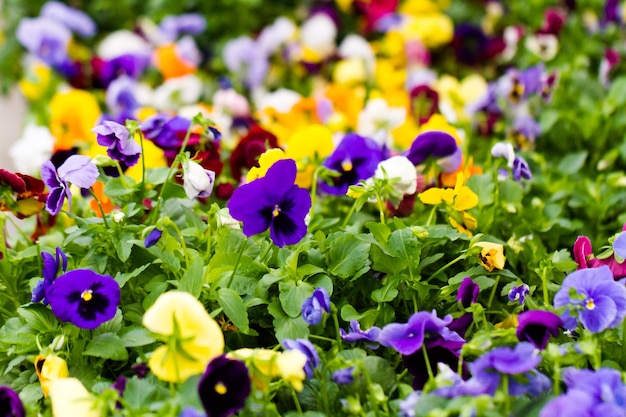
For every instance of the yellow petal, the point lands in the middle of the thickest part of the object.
(70, 398)
(291, 368)
(465, 198)
(508, 323)
(491, 256)
(266, 160)
(172, 366)
(49, 368)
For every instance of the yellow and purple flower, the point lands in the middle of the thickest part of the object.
(84, 298)
(224, 386)
(273, 202)
(307, 348)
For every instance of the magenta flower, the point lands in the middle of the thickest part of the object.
(224, 387)
(274, 202)
(120, 145)
(592, 297)
(583, 255)
(50, 269)
(313, 308)
(77, 169)
(84, 298)
(536, 326)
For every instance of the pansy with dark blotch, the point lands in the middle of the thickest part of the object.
(354, 159)
(306, 347)
(120, 145)
(10, 403)
(77, 169)
(519, 293)
(593, 298)
(51, 266)
(27, 194)
(466, 296)
(274, 202)
(224, 386)
(536, 327)
(84, 298)
(249, 148)
(437, 145)
(313, 308)
(520, 169)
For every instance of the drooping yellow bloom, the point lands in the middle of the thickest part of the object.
(70, 398)
(265, 364)
(48, 368)
(491, 256)
(291, 368)
(467, 168)
(308, 146)
(193, 337)
(266, 160)
(73, 114)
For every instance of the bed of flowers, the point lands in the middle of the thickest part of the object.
(365, 208)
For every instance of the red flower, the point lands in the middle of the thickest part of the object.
(21, 194)
(250, 147)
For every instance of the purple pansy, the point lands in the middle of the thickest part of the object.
(224, 386)
(356, 334)
(10, 403)
(187, 23)
(521, 169)
(131, 65)
(84, 298)
(592, 297)
(165, 130)
(77, 169)
(313, 308)
(309, 351)
(519, 293)
(244, 57)
(45, 38)
(121, 95)
(355, 158)
(619, 245)
(525, 129)
(275, 202)
(438, 145)
(152, 238)
(583, 255)
(536, 326)
(50, 269)
(120, 145)
(344, 376)
(77, 21)
(466, 296)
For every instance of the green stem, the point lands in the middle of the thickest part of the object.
(296, 400)
(556, 376)
(544, 284)
(337, 331)
(431, 216)
(104, 218)
(314, 191)
(241, 251)
(493, 291)
(381, 208)
(347, 218)
(507, 397)
(446, 266)
(431, 376)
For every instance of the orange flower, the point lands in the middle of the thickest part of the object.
(107, 204)
(169, 62)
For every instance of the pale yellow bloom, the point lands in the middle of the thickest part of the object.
(460, 198)
(350, 72)
(266, 160)
(291, 368)
(48, 368)
(70, 398)
(491, 256)
(457, 94)
(265, 364)
(194, 337)
(36, 81)
(307, 146)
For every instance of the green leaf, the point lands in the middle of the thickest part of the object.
(348, 257)
(404, 245)
(572, 163)
(286, 327)
(292, 295)
(39, 317)
(123, 245)
(380, 231)
(107, 346)
(137, 336)
(483, 186)
(193, 278)
(234, 308)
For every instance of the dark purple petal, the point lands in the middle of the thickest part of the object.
(288, 226)
(152, 238)
(250, 205)
(521, 169)
(10, 403)
(84, 298)
(408, 338)
(432, 144)
(536, 327)
(468, 292)
(519, 293)
(55, 200)
(49, 175)
(313, 307)
(79, 170)
(306, 347)
(224, 387)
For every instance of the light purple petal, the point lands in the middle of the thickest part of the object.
(619, 245)
(74, 19)
(79, 170)
(602, 315)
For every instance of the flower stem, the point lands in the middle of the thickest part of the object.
(296, 400)
(427, 362)
(347, 218)
(446, 266)
(493, 291)
(507, 397)
(241, 251)
(337, 332)
(95, 197)
(431, 216)
(544, 286)
(381, 208)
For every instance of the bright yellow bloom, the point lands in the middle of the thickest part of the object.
(291, 368)
(70, 398)
(390, 77)
(347, 101)
(36, 81)
(460, 198)
(73, 114)
(49, 368)
(266, 160)
(405, 134)
(491, 256)
(432, 29)
(439, 122)
(194, 338)
(307, 146)
(417, 7)
(508, 323)
(458, 94)
(153, 156)
(468, 169)
(265, 364)
(349, 72)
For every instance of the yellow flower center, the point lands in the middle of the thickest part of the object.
(346, 165)
(276, 211)
(220, 388)
(87, 295)
(589, 304)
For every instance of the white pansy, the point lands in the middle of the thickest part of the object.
(355, 46)
(176, 92)
(32, 149)
(318, 34)
(378, 118)
(123, 42)
(401, 169)
(197, 181)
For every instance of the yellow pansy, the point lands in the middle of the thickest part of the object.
(153, 158)
(266, 160)
(457, 94)
(405, 134)
(439, 122)
(307, 146)
(49, 368)
(70, 398)
(460, 198)
(417, 7)
(348, 101)
(508, 323)
(390, 77)
(491, 256)
(36, 82)
(432, 29)
(291, 368)
(193, 337)
(73, 114)
(265, 364)
(350, 71)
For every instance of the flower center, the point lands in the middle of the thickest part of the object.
(589, 304)
(276, 211)
(346, 165)
(220, 388)
(87, 295)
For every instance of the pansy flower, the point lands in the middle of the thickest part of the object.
(438, 145)
(70, 398)
(77, 169)
(593, 298)
(51, 265)
(46, 38)
(518, 293)
(354, 159)
(74, 19)
(265, 364)
(10, 403)
(73, 113)
(197, 181)
(307, 348)
(224, 386)
(465, 297)
(584, 257)
(49, 368)
(250, 147)
(536, 326)
(27, 194)
(273, 202)
(491, 255)
(120, 145)
(84, 298)
(313, 308)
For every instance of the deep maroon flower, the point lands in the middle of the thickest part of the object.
(77, 169)
(438, 145)
(10, 403)
(307, 348)
(274, 202)
(313, 308)
(374, 10)
(424, 102)
(50, 270)
(27, 194)
(224, 387)
(536, 326)
(355, 158)
(250, 147)
(84, 298)
(120, 145)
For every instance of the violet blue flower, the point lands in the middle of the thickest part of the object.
(76, 20)
(309, 351)
(244, 57)
(619, 245)
(583, 255)
(152, 238)
(84, 298)
(45, 38)
(344, 376)
(521, 169)
(77, 169)
(525, 129)
(275, 202)
(131, 65)
(121, 95)
(574, 403)
(593, 298)
(165, 130)
(224, 386)
(356, 334)
(536, 326)
(120, 145)
(466, 296)
(313, 308)
(407, 406)
(50, 269)
(519, 293)
(10, 403)
(190, 411)
(438, 145)
(355, 158)
(187, 23)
